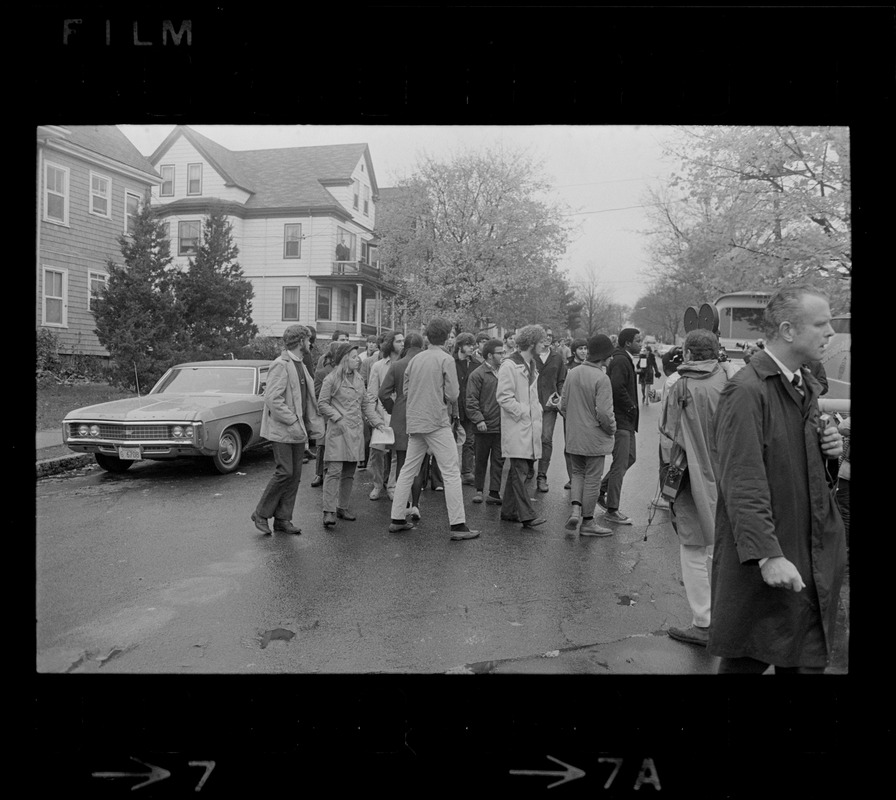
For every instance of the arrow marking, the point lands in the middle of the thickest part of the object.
(570, 773)
(155, 774)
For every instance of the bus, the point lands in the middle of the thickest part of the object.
(740, 321)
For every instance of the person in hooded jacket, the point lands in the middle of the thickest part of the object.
(345, 403)
(686, 420)
(485, 413)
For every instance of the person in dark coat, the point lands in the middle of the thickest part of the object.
(464, 345)
(579, 349)
(395, 402)
(551, 367)
(621, 372)
(780, 549)
(485, 413)
(647, 369)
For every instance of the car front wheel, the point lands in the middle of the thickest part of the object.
(230, 451)
(111, 463)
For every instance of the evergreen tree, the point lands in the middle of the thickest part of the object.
(216, 301)
(137, 316)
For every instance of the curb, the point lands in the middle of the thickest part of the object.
(53, 466)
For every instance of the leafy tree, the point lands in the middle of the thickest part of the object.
(473, 240)
(755, 207)
(661, 311)
(215, 299)
(138, 319)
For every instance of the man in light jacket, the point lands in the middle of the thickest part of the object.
(587, 408)
(517, 394)
(686, 419)
(289, 419)
(430, 386)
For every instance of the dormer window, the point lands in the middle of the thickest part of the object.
(167, 173)
(194, 178)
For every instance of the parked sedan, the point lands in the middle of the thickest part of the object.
(202, 408)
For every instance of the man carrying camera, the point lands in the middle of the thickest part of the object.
(780, 549)
(685, 426)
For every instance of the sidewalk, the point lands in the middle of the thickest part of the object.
(52, 456)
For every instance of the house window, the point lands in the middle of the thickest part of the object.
(96, 285)
(56, 181)
(167, 173)
(55, 309)
(345, 245)
(131, 209)
(356, 186)
(187, 238)
(290, 303)
(292, 241)
(347, 309)
(100, 195)
(324, 295)
(367, 200)
(194, 178)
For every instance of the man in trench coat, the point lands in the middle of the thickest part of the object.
(780, 549)
(289, 419)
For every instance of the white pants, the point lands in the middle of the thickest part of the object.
(442, 445)
(695, 570)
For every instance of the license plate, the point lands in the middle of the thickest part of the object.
(129, 453)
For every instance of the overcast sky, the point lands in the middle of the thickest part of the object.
(599, 171)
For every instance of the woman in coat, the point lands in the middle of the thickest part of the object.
(325, 367)
(647, 368)
(344, 403)
(517, 394)
(590, 427)
(395, 402)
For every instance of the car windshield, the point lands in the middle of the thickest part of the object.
(212, 380)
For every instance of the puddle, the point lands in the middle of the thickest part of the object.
(281, 634)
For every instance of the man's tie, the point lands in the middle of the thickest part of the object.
(798, 385)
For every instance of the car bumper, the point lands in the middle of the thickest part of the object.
(147, 449)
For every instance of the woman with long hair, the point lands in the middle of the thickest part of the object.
(345, 403)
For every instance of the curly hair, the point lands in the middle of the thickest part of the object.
(437, 330)
(529, 336)
(702, 344)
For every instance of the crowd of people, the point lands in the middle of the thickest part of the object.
(754, 499)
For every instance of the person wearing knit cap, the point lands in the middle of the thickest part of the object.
(624, 381)
(587, 407)
(289, 419)
(345, 403)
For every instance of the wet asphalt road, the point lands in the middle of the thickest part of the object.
(159, 570)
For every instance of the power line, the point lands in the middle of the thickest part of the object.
(623, 208)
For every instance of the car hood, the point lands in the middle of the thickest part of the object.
(159, 406)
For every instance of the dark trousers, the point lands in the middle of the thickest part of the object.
(488, 450)
(431, 472)
(467, 452)
(750, 666)
(319, 465)
(843, 504)
(279, 497)
(417, 486)
(623, 457)
(516, 496)
(548, 420)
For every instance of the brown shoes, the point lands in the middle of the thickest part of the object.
(343, 513)
(261, 524)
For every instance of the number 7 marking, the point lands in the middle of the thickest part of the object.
(209, 766)
(617, 762)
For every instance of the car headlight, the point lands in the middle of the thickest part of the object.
(182, 431)
(94, 430)
(83, 430)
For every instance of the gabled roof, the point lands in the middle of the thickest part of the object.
(105, 140)
(283, 177)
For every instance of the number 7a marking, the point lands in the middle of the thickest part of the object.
(617, 762)
(209, 766)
